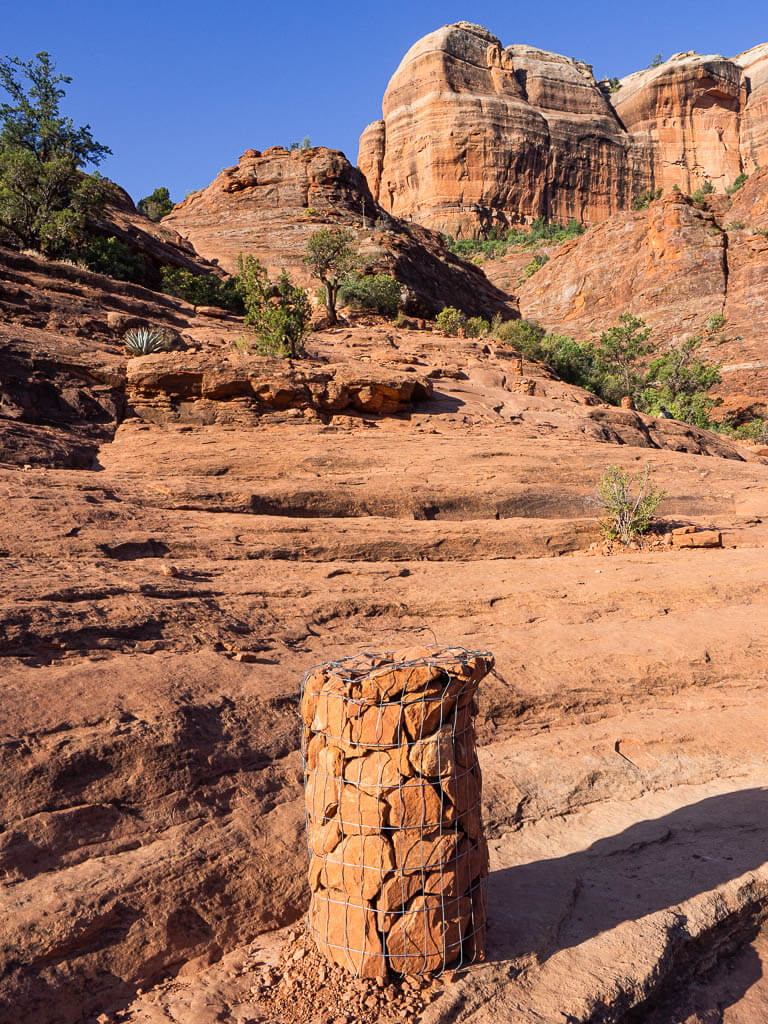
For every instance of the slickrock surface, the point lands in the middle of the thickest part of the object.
(160, 605)
(675, 265)
(269, 204)
(474, 134)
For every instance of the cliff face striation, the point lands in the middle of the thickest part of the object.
(475, 135)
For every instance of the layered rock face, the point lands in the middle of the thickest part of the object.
(269, 204)
(476, 135)
(675, 265)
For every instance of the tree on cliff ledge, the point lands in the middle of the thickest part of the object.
(45, 196)
(331, 257)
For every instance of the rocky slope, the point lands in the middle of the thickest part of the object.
(476, 135)
(676, 265)
(161, 604)
(269, 204)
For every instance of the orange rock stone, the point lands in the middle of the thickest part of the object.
(429, 934)
(359, 865)
(434, 757)
(360, 811)
(344, 928)
(415, 804)
(374, 772)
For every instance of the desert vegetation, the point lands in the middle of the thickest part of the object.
(500, 241)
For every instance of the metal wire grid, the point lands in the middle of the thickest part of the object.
(439, 919)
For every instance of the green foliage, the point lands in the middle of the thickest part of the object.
(450, 321)
(613, 84)
(755, 430)
(675, 187)
(715, 323)
(541, 232)
(679, 380)
(617, 353)
(32, 121)
(476, 327)
(279, 314)
(657, 61)
(537, 262)
(642, 202)
(612, 367)
(628, 504)
(156, 205)
(113, 257)
(45, 198)
(331, 257)
(143, 341)
(738, 183)
(304, 145)
(701, 193)
(378, 293)
(202, 289)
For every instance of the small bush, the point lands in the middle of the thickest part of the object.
(642, 202)
(279, 314)
(378, 293)
(450, 321)
(701, 193)
(715, 323)
(143, 341)
(738, 183)
(628, 504)
(156, 205)
(537, 262)
(657, 61)
(202, 289)
(499, 241)
(476, 327)
(112, 257)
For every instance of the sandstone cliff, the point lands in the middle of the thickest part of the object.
(675, 265)
(269, 203)
(475, 135)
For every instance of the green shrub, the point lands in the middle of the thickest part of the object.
(738, 183)
(112, 257)
(755, 430)
(156, 205)
(46, 199)
(378, 293)
(450, 320)
(657, 61)
(476, 327)
(642, 202)
(537, 262)
(701, 193)
(715, 323)
(499, 242)
(332, 258)
(202, 289)
(628, 504)
(279, 314)
(143, 341)
(679, 380)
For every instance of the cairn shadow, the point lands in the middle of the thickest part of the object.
(547, 906)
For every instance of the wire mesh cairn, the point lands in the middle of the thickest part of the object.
(398, 860)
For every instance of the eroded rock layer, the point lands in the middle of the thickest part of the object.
(475, 135)
(269, 204)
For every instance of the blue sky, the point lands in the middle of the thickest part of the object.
(179, 90)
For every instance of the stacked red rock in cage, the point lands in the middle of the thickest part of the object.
(398, 859)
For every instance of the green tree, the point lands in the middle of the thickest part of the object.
(279, 314)
(679, 380)
(657, 61)
(331, 257)
(45, 198)
(617, 353)
(156, 205)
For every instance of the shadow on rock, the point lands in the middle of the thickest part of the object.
(550, 905)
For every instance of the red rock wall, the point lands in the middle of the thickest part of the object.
(474, 135)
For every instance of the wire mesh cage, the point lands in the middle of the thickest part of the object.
(398, 860)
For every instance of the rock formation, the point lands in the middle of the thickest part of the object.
(398, 858)
(269, 203)
(475, 135)
(676, 265)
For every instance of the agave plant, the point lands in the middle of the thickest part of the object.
(142, 341)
